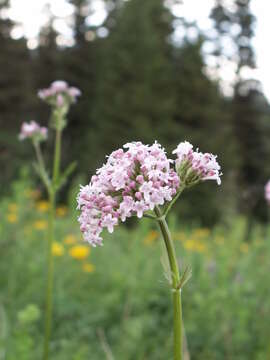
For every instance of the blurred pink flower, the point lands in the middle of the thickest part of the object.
(59, 93)
(33, 130)
(267, 191)
(74, 92)
(59, 85)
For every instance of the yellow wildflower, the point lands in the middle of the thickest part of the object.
(61, 211)
(201, 232)
(79, 252)
(43, 206)
(57, 249)
(151, 237)
(12, 207)
(40, 225)
(244, 248)
(70, 239)
(12, 218)
(189, 244)
(89, 268)
(194, 245)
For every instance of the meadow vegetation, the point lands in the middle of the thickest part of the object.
(112, 303)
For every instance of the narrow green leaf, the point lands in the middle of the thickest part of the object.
(64, 176)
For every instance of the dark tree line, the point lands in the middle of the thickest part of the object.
(139, 84)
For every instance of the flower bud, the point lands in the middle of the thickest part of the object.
(194, 166)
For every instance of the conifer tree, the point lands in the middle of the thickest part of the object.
(248, 103)
(80, 69)
(14, 98)
(201, 116)
(135, 97)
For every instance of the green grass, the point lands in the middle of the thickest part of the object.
(115, 303)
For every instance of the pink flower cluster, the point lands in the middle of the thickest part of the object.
(130, 183)
(59, 93)
(267, 192)
(33, 130)
(135, 181)
(193, 166)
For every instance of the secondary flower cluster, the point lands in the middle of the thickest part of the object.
(267, 192)
(34, 131)
(130, 183)
(194, 166)
(59, 93)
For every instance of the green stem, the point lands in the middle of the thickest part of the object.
(50, 273)
(57, 155)
(39, 155)
(149, 216)
(168, 208)
(50, 263)
(175, 279)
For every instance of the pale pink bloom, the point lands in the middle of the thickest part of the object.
(140, 208)
(33, 130)
(125, 208)
(138, 195)
(267, 192)
(59, 93)
(146, 188)
(118, 180)
(109, 222)
(45, 93)
(183, 150)
(74, 92)
(59, 86)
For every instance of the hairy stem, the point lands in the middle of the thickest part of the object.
(175, 279)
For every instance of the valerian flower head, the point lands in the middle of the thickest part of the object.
(33, 131)
(134, 180)
(59, 94)
(194, 166)
(267, 192)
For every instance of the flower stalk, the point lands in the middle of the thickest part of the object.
(50, 277)
(39, 155)
(57, 156)
(171, 203)
(50, 263)
(175, 281)
(59, 96)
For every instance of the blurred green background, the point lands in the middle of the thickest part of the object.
(146, 73)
